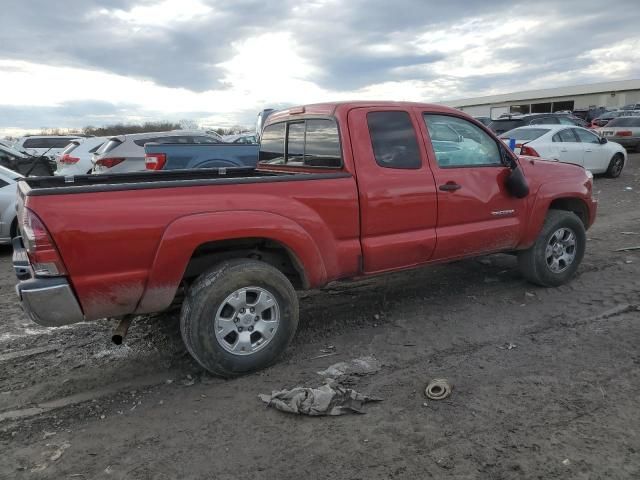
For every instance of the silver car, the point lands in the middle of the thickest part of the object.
(8, 198)
(125, 153)
(623, 130)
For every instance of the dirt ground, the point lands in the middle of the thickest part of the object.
(546, 381)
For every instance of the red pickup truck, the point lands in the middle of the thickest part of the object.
(342, 190)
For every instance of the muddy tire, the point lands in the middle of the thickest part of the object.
(615, 166)
(239, 317)
(555, 256)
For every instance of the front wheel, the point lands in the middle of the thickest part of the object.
(555, 256)
(239, 317)
(615, 166)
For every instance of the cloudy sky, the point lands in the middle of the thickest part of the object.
(84, 62)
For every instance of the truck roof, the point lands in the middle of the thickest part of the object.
(329, 108)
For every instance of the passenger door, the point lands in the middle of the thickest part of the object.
(595, 154)
(567, 147)
(476, 213)
(397, 194)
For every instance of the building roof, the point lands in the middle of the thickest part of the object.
(603, 87)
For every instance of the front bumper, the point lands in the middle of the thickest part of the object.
(49, 302)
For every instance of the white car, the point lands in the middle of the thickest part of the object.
(48, 145)
(125, 153)
(8, 199)
(76, 158)
(571, 145)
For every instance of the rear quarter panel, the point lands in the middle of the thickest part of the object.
(117, 245)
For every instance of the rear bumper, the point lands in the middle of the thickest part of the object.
(49, 302)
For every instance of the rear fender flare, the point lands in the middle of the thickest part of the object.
(184, 235)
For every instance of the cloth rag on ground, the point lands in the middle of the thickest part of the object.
(325, 400)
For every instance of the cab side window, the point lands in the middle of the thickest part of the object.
(393, 139)
(460, 143)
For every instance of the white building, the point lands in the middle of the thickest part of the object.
(606, 94)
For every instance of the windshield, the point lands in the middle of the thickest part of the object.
(624, 122)
(526, 134)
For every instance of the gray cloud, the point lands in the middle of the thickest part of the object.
(344, 42)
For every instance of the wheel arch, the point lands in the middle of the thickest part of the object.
(190, 245)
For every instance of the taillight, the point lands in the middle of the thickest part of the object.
(624, 133)
(155, 161)
(42, 252)
(68, 159)
(529, 151)
(109, 162)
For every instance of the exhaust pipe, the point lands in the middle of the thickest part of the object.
(121, 330)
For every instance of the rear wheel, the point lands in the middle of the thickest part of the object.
(555, 256)
(239, 317)
(615, 166)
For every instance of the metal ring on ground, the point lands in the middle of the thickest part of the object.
(438, 389)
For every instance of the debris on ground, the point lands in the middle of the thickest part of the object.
(507, 346)
(328, 349)
(438, 389)
(329, 399)
(59, 451)
(627, 249)
(629, 233)
(357, 367)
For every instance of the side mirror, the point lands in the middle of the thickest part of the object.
(603, 140)
(517, 184)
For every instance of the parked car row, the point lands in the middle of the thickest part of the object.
(509, 122)
(79, 154)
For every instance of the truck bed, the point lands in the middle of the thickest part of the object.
(34, 186)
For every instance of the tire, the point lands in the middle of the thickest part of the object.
(208, 309)
(615, 166)
(550, 271)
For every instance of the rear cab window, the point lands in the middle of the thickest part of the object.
(310, 142)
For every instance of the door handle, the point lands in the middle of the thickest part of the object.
(588, 150)
(450, 187)
(564, 150)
